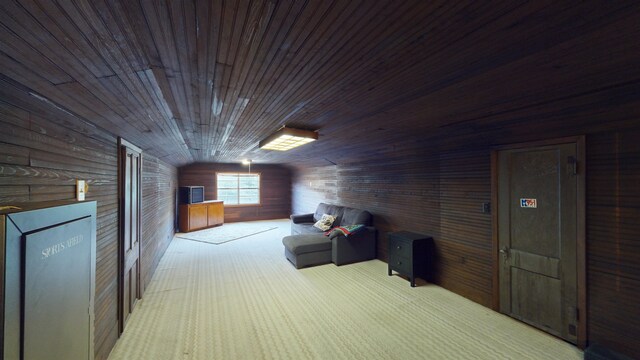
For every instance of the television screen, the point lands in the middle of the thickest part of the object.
(191, 194)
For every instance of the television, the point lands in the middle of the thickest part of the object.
(191, 194)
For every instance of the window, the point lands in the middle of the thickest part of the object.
(238, 188)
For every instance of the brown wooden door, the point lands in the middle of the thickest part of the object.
(130, 159)
(537, 237)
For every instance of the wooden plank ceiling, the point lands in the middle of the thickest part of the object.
(199, 80)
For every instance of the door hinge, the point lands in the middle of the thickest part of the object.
(572, 165)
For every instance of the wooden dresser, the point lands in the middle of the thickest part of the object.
(201, 215)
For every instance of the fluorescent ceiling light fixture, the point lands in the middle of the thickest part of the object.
(288, 138)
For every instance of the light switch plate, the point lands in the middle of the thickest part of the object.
(80, 190)
(486, 208)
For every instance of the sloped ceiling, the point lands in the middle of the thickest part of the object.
(193, 81)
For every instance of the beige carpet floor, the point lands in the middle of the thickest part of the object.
(243, 300)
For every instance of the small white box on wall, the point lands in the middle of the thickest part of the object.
(81, 189)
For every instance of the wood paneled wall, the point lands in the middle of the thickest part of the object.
(613, 240)
(159, 191)
(464, 245)
(442, 194)
(313, 186)
(43, 150)
(275, 190)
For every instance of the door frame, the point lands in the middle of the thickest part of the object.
(581, 276)
(122, 143)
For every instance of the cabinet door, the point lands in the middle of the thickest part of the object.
(197, 217)
(60, 282)
(215, 214)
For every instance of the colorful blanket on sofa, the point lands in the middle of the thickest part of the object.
(344, 230)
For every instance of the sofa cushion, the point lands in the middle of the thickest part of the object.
(323, 208)
(304, 228)
(305, 243)
(352, 216)
(325, 222)
(303, 224)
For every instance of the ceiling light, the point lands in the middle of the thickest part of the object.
(247, 162)
(288, 138)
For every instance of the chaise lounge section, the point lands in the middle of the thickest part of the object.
(309, 246)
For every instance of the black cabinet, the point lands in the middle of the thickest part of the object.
(48, 263)
(409, 254)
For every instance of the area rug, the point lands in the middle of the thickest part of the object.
(228, 232)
